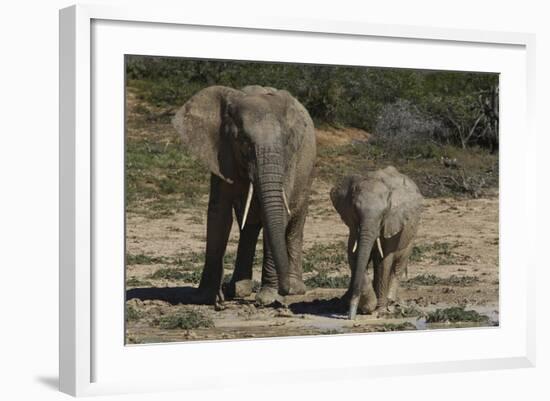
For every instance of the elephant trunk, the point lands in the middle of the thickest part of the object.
(270, 193)
(365, 243)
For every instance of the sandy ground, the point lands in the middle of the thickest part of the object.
(457, 239)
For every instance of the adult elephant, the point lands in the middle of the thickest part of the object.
(382, 207)
(259, 144)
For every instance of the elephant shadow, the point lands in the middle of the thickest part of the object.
(172, 295)
(175, 295)
(333, 307)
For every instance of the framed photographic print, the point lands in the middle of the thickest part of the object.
(258, 190)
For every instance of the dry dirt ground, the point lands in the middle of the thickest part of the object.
(455, 263)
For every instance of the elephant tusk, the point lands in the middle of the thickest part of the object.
(286, 203)
(379, 247)
(247, 207)
(352, 313)
(354, 246)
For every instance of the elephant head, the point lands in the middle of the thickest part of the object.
(377, 205)
(243, 137)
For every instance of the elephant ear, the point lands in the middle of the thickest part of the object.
(342, 195)
(297, 121)
(200, 123)
(403, 207)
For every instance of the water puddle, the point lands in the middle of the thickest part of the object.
(490, 312)
(420, 323)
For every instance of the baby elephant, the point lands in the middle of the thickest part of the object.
(382, 212)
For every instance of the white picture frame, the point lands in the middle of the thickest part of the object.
(93, 358)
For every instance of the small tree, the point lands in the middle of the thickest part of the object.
(406, 129)
(466, 103)
(464, 115)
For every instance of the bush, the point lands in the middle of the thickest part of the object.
(322, 280)
(405, 130)
(186, 320)
(397, 103)
(177, 274)
(453, 280)
(132, 313)
(455, 314)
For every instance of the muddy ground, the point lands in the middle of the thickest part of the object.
(455, 264)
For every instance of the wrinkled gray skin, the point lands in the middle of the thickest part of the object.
(382, 204)
(262, 136)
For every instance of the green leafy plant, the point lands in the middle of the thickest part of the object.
(136, 282)
(174, 273)
(431, 279)
(322, 280)
(396, 327)
(321, 257)
(186, 320)
(455, 314)
(132, 313)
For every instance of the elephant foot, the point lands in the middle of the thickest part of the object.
(384, 308)
(238, 289)
(367, 303)
(208, 296)
(297, 287)
(268, 296)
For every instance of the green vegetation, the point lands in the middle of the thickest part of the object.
(396, 327)
(401, 311)
(161, 178)
(191, 259)
(430, 279)
(186, 320)
(455, 314)
(185, 267)
(136, 282)
(477, 171)
(322, 258)
(322, 280)
(132, 313)
(441, 252)
(453, 107)
(174, 273)
(187, 261)
(142, 259)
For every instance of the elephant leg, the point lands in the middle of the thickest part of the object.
(218, 227)
(294, 241)
(269, 292)
(400, 266)
(368, 300)
(241, 283)
(382, 277)
(393, 289)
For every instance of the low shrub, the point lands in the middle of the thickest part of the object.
(455, 314)
(186, 320)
